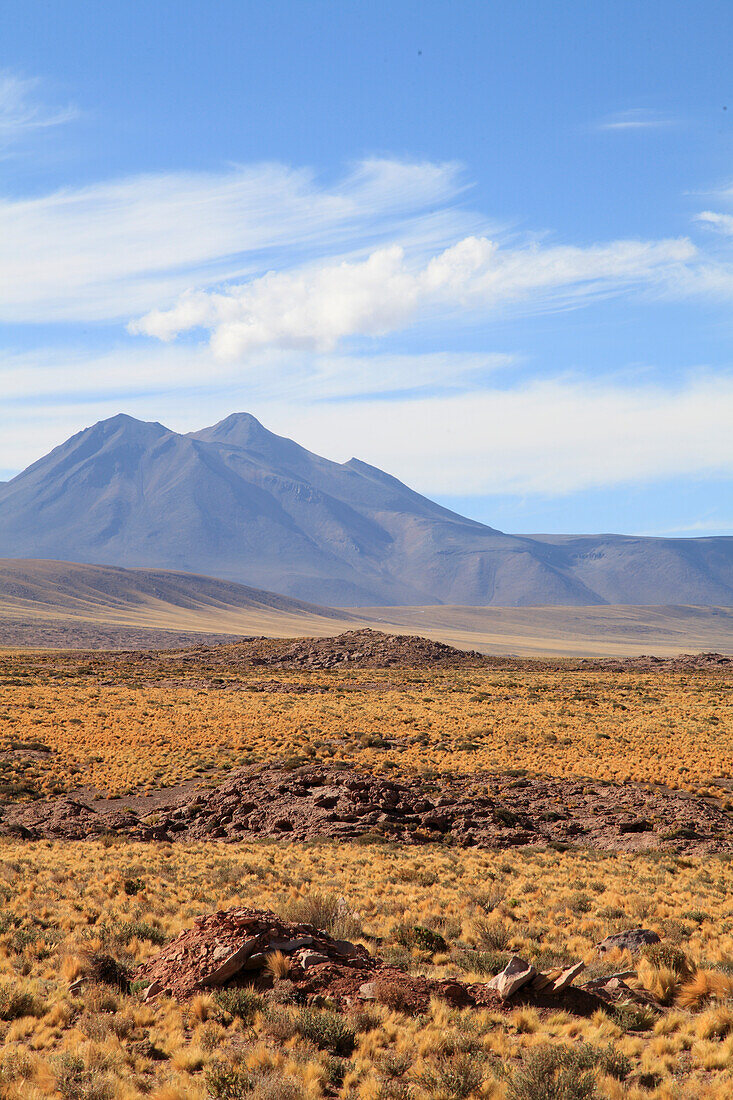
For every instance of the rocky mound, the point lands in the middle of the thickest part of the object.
(365, 649)
(488, 810)
(234, 948)
(685, 662)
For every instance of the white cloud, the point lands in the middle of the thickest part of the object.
(549, 437)
(78, 374)
(722, 222)
(638, 118)
(113, 250)
(21, 112)
(316, 306)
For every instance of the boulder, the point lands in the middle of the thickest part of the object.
(633, 939)
(515, 974)
(312, 958)
(567, 977)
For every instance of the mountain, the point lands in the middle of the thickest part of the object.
(237, 502)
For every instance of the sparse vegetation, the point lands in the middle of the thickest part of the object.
(88, 913)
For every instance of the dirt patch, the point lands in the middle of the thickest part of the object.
(35, 633)
(490, 810)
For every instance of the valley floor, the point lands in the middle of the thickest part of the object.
(537, 745)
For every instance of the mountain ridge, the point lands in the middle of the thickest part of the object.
(239, 502)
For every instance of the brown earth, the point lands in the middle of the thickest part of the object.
(71, 634)
(490, 810)
(231, 948)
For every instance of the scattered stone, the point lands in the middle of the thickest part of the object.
(685, 662)
(515, 974)
(631, 940)
(308, 959)
(327, 969)
(567, 977)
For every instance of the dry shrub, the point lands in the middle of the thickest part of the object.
(716, 1023)
(278, 965)
(661, 981)
(16, 1003)
(491, 935)
(704, 986)
(394, 995)
(328, 913)
(663, 970)
(201, 1007)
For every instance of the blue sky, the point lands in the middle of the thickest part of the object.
(485, 246)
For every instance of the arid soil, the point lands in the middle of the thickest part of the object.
(71, 634)
(486, 810)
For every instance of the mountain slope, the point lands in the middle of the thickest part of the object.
(237, 502)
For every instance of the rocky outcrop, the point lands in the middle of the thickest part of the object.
(233, 948)
(344, 803)
(685, 662)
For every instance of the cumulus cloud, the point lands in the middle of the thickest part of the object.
(316, 306)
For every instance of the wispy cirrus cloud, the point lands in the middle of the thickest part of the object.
(112, 250)
(270, 256)
(723, 223)
(637, 118)
(21, 110)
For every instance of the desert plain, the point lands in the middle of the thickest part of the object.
(442, 811)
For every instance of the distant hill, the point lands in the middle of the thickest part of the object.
(53, 603)
(65, 605)
(237, 502)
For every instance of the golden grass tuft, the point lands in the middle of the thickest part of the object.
(704, 986)
(278, 964)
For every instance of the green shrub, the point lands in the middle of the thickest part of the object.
(141, 930)
(75, 1082)
(16, 1003)
(455, 1077)
(108, 970)
(244, 1003)
(633, 1017)
(418, 936)
(553, 1073)
(224, 1081)
(133, 886)
(328, 1030)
